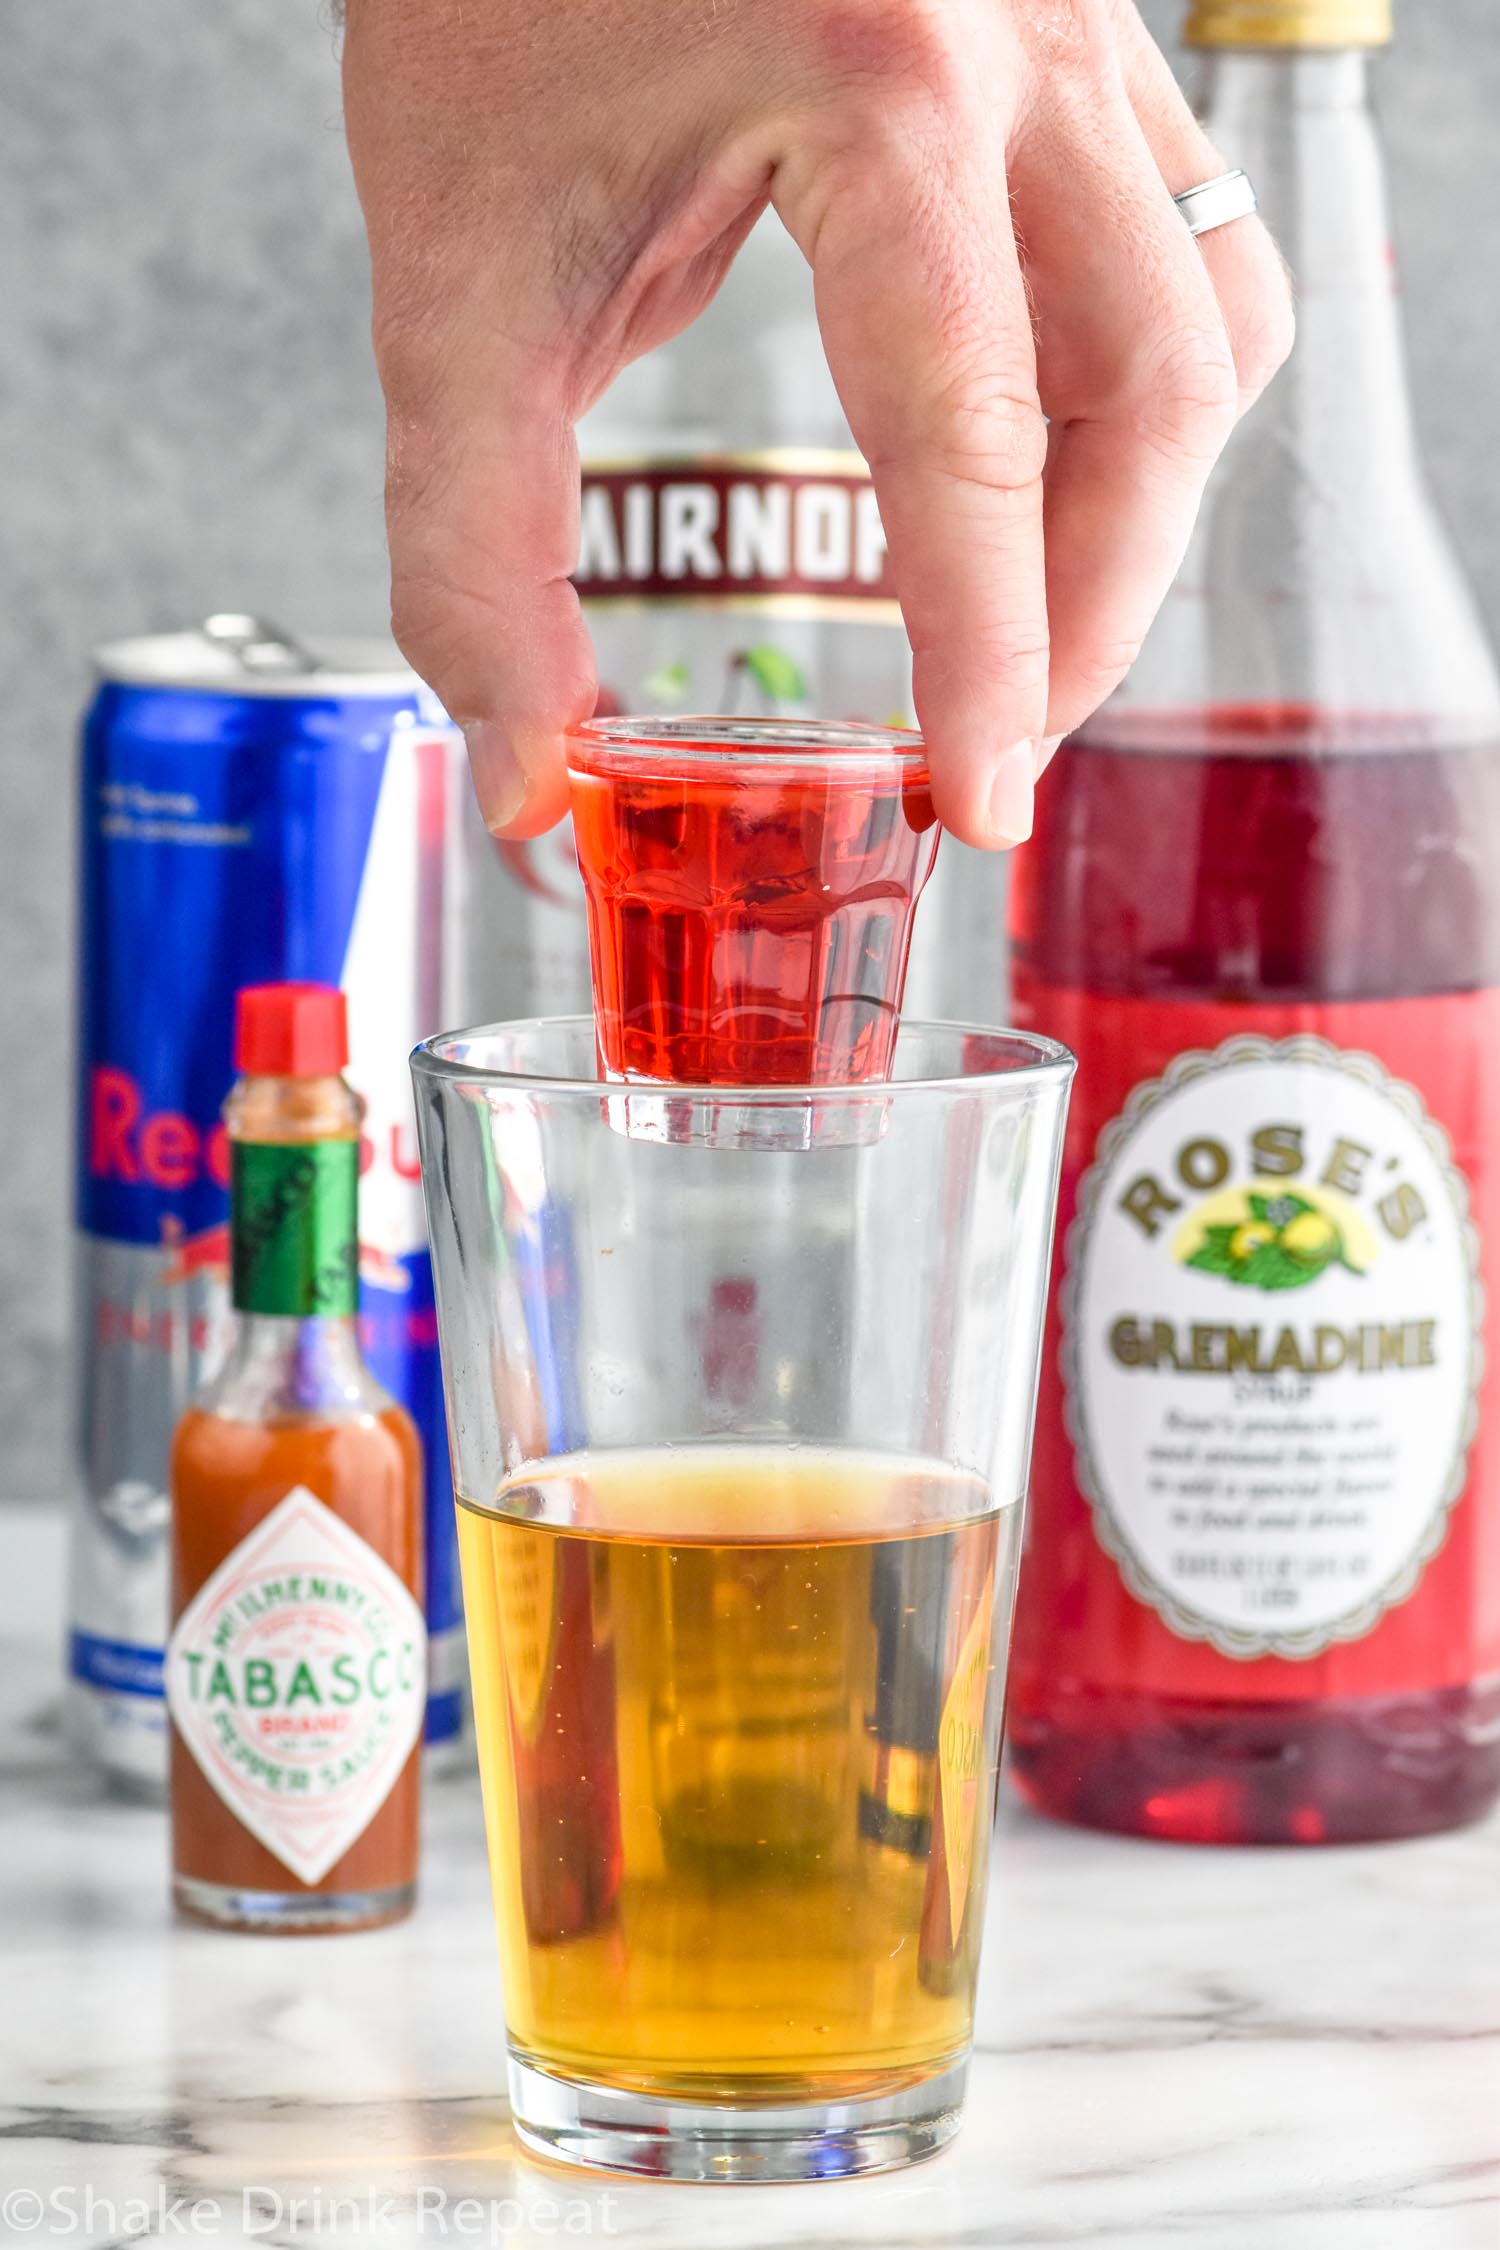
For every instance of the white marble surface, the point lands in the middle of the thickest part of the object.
(1225, 2051)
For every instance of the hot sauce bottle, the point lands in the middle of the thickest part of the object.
(296, 1666)
(1261, 1600)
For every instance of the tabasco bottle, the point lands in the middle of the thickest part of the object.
(296, 1665)
(1262, 1597)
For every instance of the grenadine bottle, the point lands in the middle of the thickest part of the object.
(1261, 1601)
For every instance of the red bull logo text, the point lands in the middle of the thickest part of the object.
(162, 1148)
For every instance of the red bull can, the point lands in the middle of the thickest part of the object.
(253, 809)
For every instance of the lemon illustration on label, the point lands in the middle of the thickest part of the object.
(1274, 1242)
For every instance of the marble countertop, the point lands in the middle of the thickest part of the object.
(1176, 2049)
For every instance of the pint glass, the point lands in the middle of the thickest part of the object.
(740, 1383)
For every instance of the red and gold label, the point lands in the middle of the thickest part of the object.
(1261, 1472)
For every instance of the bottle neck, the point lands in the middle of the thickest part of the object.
(1300, 122)
(294, 1227)
(294, 1250)
(297, 1365)
(1321, 602)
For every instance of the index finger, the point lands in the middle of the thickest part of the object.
(928, 333)
(482, 520)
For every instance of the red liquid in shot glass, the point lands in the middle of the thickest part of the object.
(751, 888)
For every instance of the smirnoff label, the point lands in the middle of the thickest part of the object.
(297, 1678)
(795, 532)
(1271, 1348)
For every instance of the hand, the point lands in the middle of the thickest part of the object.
(983, 191)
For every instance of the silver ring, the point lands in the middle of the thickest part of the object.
(1218, 203)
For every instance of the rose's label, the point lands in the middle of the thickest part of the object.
(1272, 1343)
(795, 531)
(296, 1676)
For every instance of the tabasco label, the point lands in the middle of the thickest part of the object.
(296, 1676)
(795, 531)
(1271, 1343)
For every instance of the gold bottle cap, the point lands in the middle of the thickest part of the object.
(1288, 23)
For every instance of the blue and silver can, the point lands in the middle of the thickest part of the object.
(253, 809)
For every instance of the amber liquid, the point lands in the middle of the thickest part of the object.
(738, 1712)
(750, 928)
(1263, 875)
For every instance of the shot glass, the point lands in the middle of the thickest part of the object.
(750, 885)
(740, 1428)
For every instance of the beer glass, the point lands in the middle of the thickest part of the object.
(740, 1387)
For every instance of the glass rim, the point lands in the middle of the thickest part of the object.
(711, 739)
(1050, 1061)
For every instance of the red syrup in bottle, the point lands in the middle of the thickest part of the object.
(1261, 1598)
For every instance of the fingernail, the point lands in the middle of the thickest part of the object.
(1010, 794)
(500, 780)
(1047, 750)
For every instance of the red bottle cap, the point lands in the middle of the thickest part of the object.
(291, 1031)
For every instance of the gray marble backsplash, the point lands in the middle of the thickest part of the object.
(189, 420)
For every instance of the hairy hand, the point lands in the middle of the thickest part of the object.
(983, 191)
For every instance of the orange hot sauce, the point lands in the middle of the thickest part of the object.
(296, 1667)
